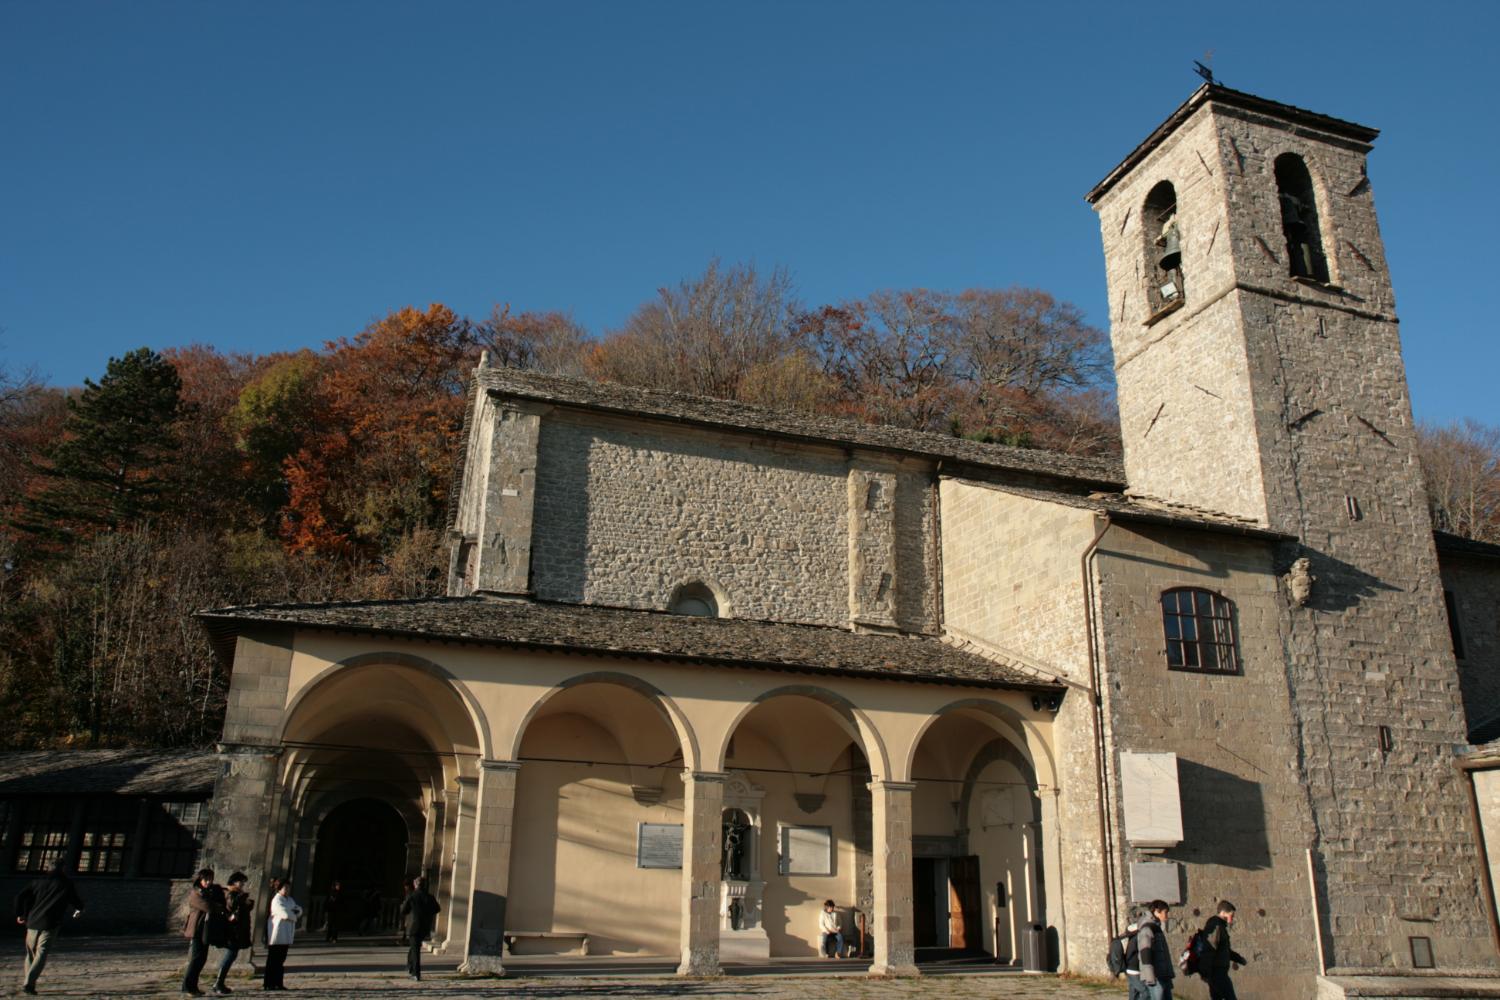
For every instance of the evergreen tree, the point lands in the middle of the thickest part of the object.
(110, 467)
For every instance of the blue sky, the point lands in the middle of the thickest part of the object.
(265, 176)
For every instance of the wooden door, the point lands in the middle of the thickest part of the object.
(964, 927)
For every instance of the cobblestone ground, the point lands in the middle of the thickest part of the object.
(152, 966)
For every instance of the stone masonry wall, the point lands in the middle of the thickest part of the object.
(1331, 424)
(1011, 579)
(1245, 817)
(1475, 585)
(627, 512)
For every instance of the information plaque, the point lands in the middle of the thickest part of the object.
(659, 845)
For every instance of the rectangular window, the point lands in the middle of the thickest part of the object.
(806, 850)
(1199, 631)
(43, 837)
(108, 825)
(174, 837)
(1458, 639)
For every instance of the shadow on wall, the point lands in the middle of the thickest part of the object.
(1223, 819)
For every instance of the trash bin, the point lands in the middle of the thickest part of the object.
(1034, 949)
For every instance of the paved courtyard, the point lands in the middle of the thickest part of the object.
(151, 966)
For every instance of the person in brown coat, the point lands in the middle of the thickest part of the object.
(205, 923)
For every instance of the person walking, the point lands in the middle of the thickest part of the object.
(206, 923)
(280, 930)
(41, 908)
(240, 911)
(1156, 968)
(331, 912)
(1221, 956)
(418, 912)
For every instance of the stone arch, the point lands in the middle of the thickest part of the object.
(1006, 721)
(1303, 203)
(704, 590)
(466, 697)
(856, 724)
(668, 709)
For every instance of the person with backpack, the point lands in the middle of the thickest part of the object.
(1153, 967)
(1219, 957)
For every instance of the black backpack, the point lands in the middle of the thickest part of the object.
(1122, 949)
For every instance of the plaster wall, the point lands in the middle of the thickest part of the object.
(1487, 795)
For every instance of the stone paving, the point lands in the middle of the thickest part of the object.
(151, 966)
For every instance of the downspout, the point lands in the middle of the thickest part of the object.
(1105, 837)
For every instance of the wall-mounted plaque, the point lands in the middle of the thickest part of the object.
(659, 845)
(806, 850)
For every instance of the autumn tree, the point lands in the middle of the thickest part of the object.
(705, 335)
(547, 342)
(1461, 462)
(390, 404)
(111, 467)
(274, 416)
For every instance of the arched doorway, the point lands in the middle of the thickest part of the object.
(361, 845)
(978, 868)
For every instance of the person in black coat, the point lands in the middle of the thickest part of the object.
(240, 910)
(418, 911)
(41, 908)
(331, 907)
(1216, 965)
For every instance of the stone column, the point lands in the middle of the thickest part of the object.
(489, 885)
(432, 844)
(895, 950)
(463, 857)
(703, 817)
(448, 839)
(240, 814)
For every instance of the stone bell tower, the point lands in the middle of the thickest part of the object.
(1260, 375)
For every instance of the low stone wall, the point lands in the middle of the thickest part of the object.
(114, 905)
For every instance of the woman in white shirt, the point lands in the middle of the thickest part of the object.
(280, 930)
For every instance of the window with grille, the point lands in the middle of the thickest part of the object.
(43, 837)
(1199, 627)
(108, 826)
(174, 838)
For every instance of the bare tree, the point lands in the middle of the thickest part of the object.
(705, 335)
(1462, 464)
(547, 342)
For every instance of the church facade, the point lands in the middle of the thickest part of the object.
(703, 665)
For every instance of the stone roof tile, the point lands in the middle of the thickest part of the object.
(719, 413)
(648, 634)
(169, 773)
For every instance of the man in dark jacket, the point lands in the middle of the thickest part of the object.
(1156, 966)
(206, 923)
(418, 911)
(41, 908)
(1216, 964)
(240, 912)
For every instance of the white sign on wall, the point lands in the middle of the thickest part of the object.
(806, 850)
(1152, 805)
(659, 845)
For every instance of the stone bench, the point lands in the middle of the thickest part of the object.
(582, 937)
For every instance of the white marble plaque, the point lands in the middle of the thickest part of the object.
(659, 845)
(1153, 807)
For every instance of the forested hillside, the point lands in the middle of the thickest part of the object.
(193, 478)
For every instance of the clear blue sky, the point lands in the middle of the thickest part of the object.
(263, 176)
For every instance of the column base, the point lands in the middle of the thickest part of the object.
(893, 971)
(699, 964)
(482, 965)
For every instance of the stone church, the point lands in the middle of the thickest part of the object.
(703, 665)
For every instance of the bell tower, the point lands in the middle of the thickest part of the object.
(1259, 372)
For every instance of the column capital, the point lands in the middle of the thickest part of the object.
(880, 784)
(500, 765)
(705, 777)
(467, 780)
(251, 749)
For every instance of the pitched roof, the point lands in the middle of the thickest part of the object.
(1145, 509)
(639, 634)
(1228, 97)
(722, 414)
(174, 773)
(1458, 545)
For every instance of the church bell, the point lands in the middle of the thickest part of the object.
(1171, 253)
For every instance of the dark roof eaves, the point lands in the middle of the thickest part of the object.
(1457, 545)
(1100, 478)
(584, 650)
(1229, 97)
